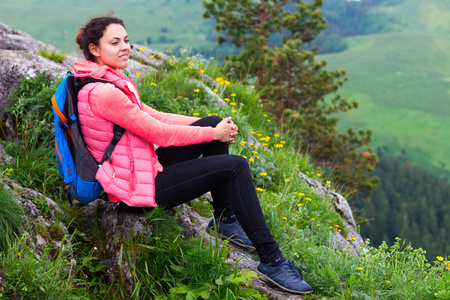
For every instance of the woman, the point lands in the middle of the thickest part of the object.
(138, 176)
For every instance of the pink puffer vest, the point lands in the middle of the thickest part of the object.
(129, 175)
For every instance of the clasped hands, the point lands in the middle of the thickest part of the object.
(226, 131)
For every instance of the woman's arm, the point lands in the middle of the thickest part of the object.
(169, 118)
(113, 105)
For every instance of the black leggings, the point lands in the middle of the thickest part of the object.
(228, 177)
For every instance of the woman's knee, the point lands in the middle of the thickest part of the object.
(208, 121)
(240, 162)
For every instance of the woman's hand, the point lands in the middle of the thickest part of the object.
(226, 131)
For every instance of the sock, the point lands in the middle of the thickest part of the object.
(228, 220)
(277, 262)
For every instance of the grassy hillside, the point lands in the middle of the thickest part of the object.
(167, 264)
(402, 82)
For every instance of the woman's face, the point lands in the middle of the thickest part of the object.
(113, 49)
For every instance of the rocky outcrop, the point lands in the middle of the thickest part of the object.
(42, 219)
(354, 240)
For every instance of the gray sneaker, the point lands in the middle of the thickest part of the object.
(232, 232)
(286, 276)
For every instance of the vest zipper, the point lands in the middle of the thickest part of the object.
(132, 174)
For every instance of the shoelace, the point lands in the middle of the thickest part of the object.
(293, 269)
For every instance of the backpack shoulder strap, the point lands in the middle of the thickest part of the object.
(118, 130)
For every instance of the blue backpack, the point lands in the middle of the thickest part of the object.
(76, 165)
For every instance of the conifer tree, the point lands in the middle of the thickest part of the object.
(271, 35)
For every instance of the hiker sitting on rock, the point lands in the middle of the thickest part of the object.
(137, 176)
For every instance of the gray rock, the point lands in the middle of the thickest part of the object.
(12, 39)
(354, 241)
(41, 224)
(143, 54)
(5, 157)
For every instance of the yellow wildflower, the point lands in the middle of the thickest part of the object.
(309, 199)
(151, 56)
(285, 218)
(360, 268)
(215, 95)
(265, 115)
(142, 49)
(301, 194)
(300, 204)
(412, 281)
(439, 258)
(233, 111)
(215, 90)
(277, 135)
(197, 90)
(269, 121)
(244, 156)
(219, 79)
(387, 281)
(251, 159)
(255, 152)
(265, 144)
(257, 157)
(319, 174)
(278, 145)
(202, 71)
(138, 73)
(243, 143)
(287, 180)
(227, 99)
(312, 219)
(263, 174)
(196, 114)
(282, 142)
(233, 103)
(252, 132)
(318, 225)
(259, 189)
(152, 84)
(233, 95)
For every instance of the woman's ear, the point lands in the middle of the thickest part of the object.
(93, 49)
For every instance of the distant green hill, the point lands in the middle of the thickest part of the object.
(402, 81)
(162, 24)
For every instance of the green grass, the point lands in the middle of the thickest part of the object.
(56, 56)
(401, 80)
(10, 218)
